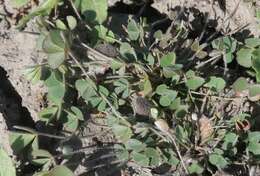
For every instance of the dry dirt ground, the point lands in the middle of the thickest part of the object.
(20, 100)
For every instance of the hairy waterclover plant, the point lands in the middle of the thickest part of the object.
(148, 67)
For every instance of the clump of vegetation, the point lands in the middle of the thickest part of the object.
(169, 99)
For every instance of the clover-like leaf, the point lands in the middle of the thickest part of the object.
(19, 141)
(43, 9)
(55, 47)
(47, 114)
(94, 11)
(252, 42)
(240, 85)
(127, 51)
(154, 156)
(168, 59)
(72, 22)
(135, 145)
(40, 157)
(104, 33)
(216, 83)
(33, 74)
(244, 56)
(195, 82)
(122, 87)
(123, 133)
(6, 164)
(140, 158)
(218, 160)
(56, 88)
(195, 168)
(167, 95)
(60, 170)
(86, 88)
(254, 92)
(254, 147)
(133, 30)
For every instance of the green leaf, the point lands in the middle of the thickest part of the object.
(230, 141)
(133, 30)
(86, 88)
(244, 57)
(165, 101)
(167, 95)
(181, 134)
(218, 160)
(70, 123)
(150, 59)
(147, 87)
(105, 34)
(161, 89)
(122, 133)
(225, 44)
(172, 71)
(40, 157)
(77, 113)
(195, 168)
(6, 165)
(127, 52)
(195, 82)
(33, 74)
(122, 87)
(175, 104)
(252, 42)
(168, 59)
(256, 63)
(240, 85)
(47, 114)
(121, 152)
(72, 22)
(95, 11)
(135, 145)
(59, 171)
(170, 157)
(217, 84)
(56, 88)
(254, 136)
(254, 92)
(54, 46)
(60, 25)
(158, 35)
(50, 47)
(116, 64)
(43, 9)
(19, 141)
(56, 59)
(254, 147)
(140, 159)
(154, 156)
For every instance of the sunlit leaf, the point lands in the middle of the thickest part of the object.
(140, 159)
(168, 60)
(72, 22)
(94, 11)
(133, 30)
(195, 82)
(19, 141)
(244, 57)
(6, 165)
